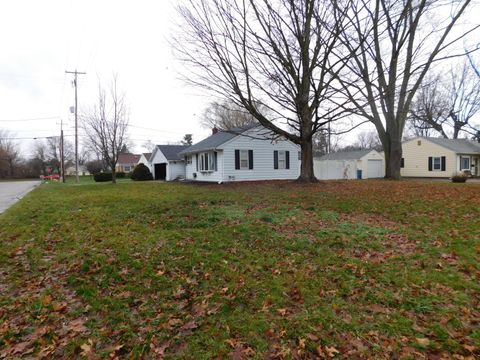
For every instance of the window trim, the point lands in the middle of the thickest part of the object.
(461, 163)
(246, 159)
(439, 163)
(280, 160)
(206, 162)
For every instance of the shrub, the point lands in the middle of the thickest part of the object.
(102, 177)
(120, 175)
(141, 173)
(459, 177)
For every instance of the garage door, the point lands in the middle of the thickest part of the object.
(375, 169)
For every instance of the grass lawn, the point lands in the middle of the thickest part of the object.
(358, 269)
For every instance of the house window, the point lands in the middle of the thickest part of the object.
(188, 159)
(402, 162)
(464, 163)
(207, 161)
(127, 168)
(437, 163)
(299, 155)
(243, 159)
(281, 159)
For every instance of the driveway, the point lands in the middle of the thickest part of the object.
(12, 191)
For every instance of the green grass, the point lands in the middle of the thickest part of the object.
(371, 269)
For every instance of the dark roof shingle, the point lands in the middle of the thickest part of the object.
(171, 151)
(127, 158)
(462, 146)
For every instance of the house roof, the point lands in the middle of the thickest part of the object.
(463, 146)
(147, 156)
(346, 155)
(127, 158)
(171, 151)
(215, 140)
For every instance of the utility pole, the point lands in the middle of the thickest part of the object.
(62, 152)
(76, 73)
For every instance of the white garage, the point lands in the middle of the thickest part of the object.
(361, 164)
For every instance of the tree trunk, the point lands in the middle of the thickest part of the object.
(393, 158)
(306, 170)
(114, 173)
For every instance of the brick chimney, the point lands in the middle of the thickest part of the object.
(214, 130)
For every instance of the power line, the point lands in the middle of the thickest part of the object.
(31, 119)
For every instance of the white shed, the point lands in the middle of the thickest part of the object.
(361, 164)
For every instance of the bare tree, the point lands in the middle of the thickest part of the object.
(279, 55)
(9, 155)
(368, 140)
(449, 106)
(227, 115)
(394, 44)
(106, 125)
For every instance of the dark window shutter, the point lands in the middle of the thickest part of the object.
(287, 159)
(430, 163)
(196, 160)
(275, 159)
(250, 159)
(444, 163)
(216, 161)
(402, 162)
(237, 159)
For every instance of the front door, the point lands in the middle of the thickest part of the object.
(160, 171)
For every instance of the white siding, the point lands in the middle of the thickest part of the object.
(263, 167)
(416, 153)
(335, 169)
(175, 169)
(214, 176)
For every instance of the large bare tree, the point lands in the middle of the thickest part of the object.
(278, 55)
(394, 44)
(106, 125)
(225, 115)
(449, 105)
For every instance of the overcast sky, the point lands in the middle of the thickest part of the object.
(42, 39)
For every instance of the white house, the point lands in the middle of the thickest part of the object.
(166, 164)
(361, 164)
(244, 154)
(439, 157)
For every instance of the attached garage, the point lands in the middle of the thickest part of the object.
(166, 164)
(361, 164)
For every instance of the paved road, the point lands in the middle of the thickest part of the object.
(12, 191)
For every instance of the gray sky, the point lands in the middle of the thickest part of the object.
(42, 39)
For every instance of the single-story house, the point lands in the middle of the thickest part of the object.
(145, 160)
(361, 164)
(166, 164)
(439, 157)
(82, 170)
(243, 154)
(126, 162)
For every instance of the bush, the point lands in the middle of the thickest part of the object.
(141, 173)
(459, 177)
(120, 175)
(102, 177)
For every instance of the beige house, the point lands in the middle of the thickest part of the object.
(440, 157)
(127, 162)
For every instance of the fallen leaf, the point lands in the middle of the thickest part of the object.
(283, 311)
(331, 351)
(423, 342)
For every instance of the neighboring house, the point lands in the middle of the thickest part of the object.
(126, 162)
(166, 164)
(145, 160)
(439, 157)
(82, 170)
(242, 155)
(361, 164)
